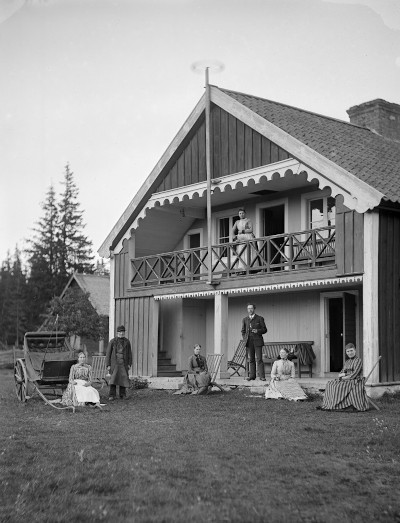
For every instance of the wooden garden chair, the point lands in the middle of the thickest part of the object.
(99, 370)
(239, 359)
(213, 364)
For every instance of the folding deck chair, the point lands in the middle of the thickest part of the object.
(213, 364)
(239, 360)
(99, 370)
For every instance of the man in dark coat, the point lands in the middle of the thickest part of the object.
(253, 327)
(118, 363)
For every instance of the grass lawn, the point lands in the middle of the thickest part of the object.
(223, 457)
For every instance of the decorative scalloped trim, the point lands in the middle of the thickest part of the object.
(272, 287)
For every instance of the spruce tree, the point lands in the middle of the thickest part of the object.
(43, 259)
(74, 248)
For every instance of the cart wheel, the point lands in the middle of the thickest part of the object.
(21, 380)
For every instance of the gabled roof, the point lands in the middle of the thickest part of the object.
(362, 163)
(369, 156)
(98, 287)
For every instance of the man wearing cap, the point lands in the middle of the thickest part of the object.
(118, 363)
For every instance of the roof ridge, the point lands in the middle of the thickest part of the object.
(296, 108)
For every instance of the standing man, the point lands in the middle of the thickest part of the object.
(118, 363)
(253, 327)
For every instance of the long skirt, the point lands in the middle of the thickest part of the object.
(341, 394)
(287, 389)
(77, 395)
(195, 384)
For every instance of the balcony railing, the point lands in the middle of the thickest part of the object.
(281, 252)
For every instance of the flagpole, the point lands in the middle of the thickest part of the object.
(208, 172)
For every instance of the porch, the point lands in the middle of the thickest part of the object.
(287, 252)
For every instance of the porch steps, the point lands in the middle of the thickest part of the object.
(164, 366)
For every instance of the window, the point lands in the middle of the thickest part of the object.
(225, 226)
(321, 212)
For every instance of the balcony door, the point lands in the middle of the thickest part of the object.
(273, 222)
(193, 240)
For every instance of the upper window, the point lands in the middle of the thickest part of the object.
(224, 229)
(321, 212)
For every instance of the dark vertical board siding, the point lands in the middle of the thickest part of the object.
(145, 370)
(248, 148)
(232, 143)
(216, 139)
(358, 242)
(339, 244)
(202, 153)
(187, 171)
(240, 146)
(224, 144)
(153, 337)
(136, 330)
(141, 337)
(348, 243)
(167, 181)
(256, 149)
(265, 151)
(395, 327)
(389, 296)
(282, 154)
(234, 146)
(274, 153)
(195, 159)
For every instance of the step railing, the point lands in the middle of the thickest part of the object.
(268, 254)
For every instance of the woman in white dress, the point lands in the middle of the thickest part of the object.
(243, 231)
(282, 384)
(80, 391)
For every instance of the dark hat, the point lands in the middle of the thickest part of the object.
(121, 328)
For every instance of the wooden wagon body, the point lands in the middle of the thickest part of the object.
(45, 367)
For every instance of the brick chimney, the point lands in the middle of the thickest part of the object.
(378, 115)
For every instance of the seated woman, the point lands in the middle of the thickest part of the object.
(348, 390)
(79, 391)
(282, 384)
(197, 379)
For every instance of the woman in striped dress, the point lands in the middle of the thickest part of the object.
(348, 390)
(282, 384)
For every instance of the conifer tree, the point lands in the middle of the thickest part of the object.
(74, 248)
(43, 258)
(13, 292)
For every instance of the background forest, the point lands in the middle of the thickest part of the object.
(32, 278)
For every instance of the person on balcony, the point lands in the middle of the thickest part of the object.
(197, 379)
(282, 384)
(253, 328)
(243, 231)
(242, 228)
(118, 363)
(347, 392)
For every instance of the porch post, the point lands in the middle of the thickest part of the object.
(370, 296)
(111, 319)
(221, 331)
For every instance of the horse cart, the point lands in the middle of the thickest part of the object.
(45, 367)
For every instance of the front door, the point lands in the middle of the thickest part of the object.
(342, 328)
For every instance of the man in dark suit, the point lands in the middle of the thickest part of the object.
(253, 327)
(118, 363)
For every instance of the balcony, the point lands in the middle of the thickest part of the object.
(270, 254)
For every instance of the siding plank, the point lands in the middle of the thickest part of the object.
(348, 242)
(240, 146)
(224, 144)
(232, 143)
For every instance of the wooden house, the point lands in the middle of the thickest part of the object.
(324, 198)
(98, 287)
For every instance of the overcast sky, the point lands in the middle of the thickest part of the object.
(106, 84)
